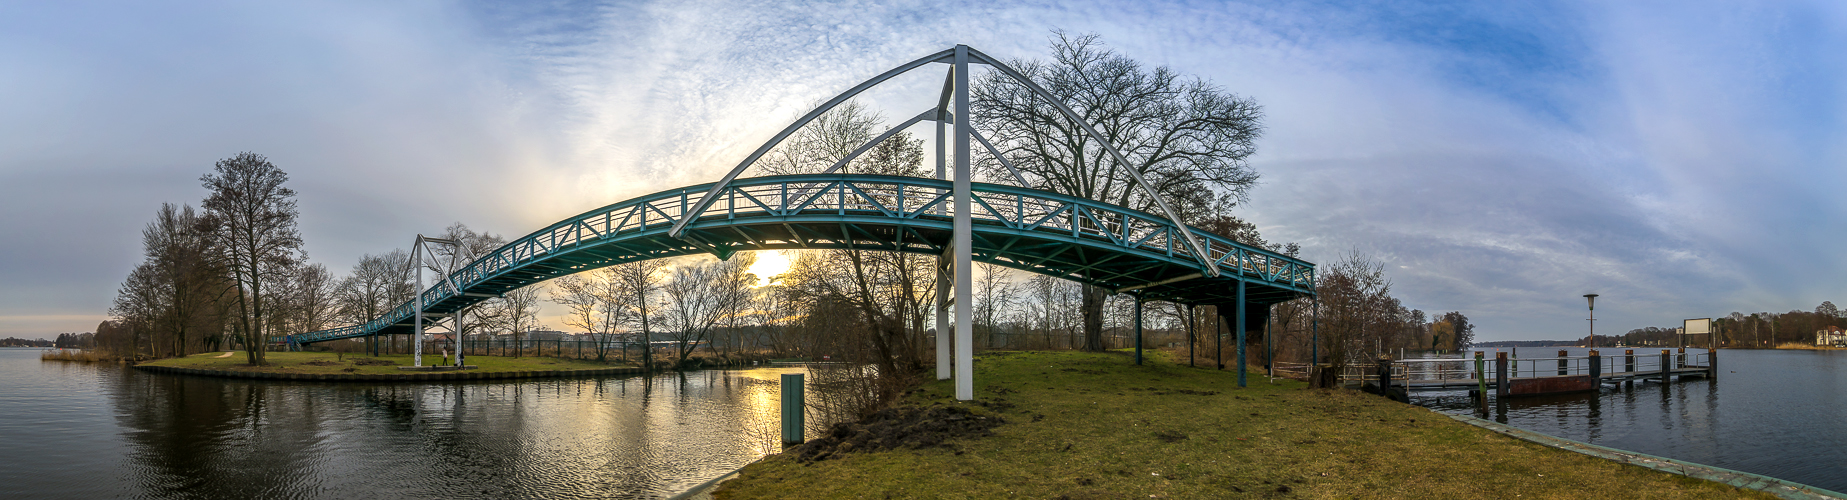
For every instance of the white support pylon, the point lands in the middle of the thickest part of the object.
(942, 281)
(963, 238)
(416, 356)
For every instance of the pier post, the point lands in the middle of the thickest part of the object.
(1667, 367)
(1596, 368)
(1681, 361)
(1564, 368)
(1385, 376)
(1500, 375)
(1481, 380)
(792, 409)
(1712, 363)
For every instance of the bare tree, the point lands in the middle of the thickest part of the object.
(1188, 138)
(890, 290)
(312, 298)
(253, 218)
(377, 284)
(702, 295)
(993, 293)
(594, 299)
(639, 284)
(173, 297)
(1355, 303)
(517, 311)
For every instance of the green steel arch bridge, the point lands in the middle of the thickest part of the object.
(1117, 248)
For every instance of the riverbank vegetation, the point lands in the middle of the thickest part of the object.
(1761, 330)
(1094, 425)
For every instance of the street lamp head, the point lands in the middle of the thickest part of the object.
(1592, 298)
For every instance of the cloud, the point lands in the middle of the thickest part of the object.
(1503, 160)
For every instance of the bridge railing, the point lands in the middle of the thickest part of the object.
(993, 205)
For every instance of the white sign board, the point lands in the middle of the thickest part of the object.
(1700, 326)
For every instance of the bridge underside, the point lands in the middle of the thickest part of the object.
(1114, 249)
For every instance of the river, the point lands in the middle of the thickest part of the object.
(1780, 413)
(99, 430)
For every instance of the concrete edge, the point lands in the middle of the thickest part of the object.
(703, 491)
(1780, 488)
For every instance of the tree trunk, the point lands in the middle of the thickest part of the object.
(1093, 317)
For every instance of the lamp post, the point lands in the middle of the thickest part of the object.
(1591, 298)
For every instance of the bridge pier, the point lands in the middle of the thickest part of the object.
(1242, 327)
(1138, 329)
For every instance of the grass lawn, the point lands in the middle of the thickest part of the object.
(1094, 425)
(331, 363)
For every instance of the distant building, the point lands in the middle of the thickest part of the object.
(1831, 336)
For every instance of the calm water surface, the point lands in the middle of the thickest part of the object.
(1778, 413)
(77, 430)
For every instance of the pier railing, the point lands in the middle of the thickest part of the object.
(1468, 373)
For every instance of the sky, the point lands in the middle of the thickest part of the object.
(1683, 159)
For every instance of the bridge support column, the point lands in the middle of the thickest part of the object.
(1241, 328)
(416, 356)
(1138, 329)
(942, 322)
(963, 231)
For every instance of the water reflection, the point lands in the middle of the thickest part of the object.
(562, 438)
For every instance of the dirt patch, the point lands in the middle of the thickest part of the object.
(322, 363)
(373, 362)
(1186, 392)
(1170, 436)
(900, 427)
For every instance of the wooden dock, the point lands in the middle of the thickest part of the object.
(1537, 376)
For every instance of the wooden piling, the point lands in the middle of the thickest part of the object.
(1500, 375)
(1596, 368)
(1667, 366)
(1481, 380)
(1385, 376)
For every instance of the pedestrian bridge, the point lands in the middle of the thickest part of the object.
(1026, 229)
(1114, 247)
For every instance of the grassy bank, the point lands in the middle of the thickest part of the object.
(1084, 425)
(333, 363)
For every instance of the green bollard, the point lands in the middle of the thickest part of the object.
(791, 409)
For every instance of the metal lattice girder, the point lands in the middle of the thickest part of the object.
(1028, 229)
